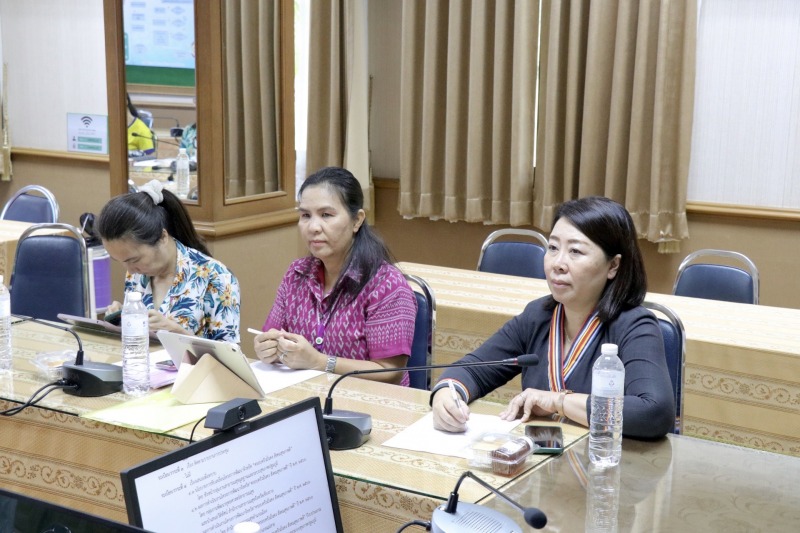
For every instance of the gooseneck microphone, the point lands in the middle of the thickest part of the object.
(452, 517)
(150, 137)
(90, 379)
(350, 429)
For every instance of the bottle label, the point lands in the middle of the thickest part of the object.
(134, 326)
(608, 386)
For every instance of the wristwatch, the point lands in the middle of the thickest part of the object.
(560, 402)
(331, 364)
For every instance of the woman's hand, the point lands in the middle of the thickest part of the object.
(157, 322)
(295, 351)
(530, 403)
(113, 307)
(266, 345)
(446, 413)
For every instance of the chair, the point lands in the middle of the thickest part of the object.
(27, 207)
(51, 274)
(515, 258)
(717, 281)
(675, 350)
(424, 333)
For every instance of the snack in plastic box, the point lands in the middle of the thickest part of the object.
(502, 453)
(49, 363)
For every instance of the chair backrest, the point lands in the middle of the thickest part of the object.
(675, 350)
(51, 274)
(699, 279)
(515, 258)
(424, 333)
(27, 206)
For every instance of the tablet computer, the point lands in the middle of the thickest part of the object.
(227, 353)
(96, 325)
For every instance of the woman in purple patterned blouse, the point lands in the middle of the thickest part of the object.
(345, 306)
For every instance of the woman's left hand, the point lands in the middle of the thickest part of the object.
(157, 322)
(296, 352)
(530, 403)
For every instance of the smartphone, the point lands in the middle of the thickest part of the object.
(549, 439)
(114, 318)
(167, 364)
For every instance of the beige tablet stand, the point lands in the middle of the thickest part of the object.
(209, 381)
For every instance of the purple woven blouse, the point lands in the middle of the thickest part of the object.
(378, 323)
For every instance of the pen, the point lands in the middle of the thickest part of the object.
(255, 331)
(456, 396)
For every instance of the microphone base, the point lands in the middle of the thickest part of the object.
(93, 379)
(346, 430)
(471, 517)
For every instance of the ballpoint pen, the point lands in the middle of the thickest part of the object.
(456, 396)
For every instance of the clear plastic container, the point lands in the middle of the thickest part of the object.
(50, 363)
(502, 453)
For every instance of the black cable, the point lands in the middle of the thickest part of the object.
(33, 400)
(426, 525)
(191, 435)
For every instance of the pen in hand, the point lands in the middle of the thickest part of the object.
(456, 397)
(255, 331)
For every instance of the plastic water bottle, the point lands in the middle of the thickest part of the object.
(135, 346)
(602, 500)
(182, 173)
(5, 327)
(608, 391)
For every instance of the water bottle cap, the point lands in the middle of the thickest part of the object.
(608, 349)
(134, 296)
(181, 150)
(1, 279)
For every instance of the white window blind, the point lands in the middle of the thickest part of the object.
(746, 137)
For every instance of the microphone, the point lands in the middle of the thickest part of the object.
(90, 379)
(350, 429)
(158, 139)
(451, 517)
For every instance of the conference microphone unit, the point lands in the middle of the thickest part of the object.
(454, 517)
(350, 429)
(89, 378)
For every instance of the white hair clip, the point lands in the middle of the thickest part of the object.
(153, 189)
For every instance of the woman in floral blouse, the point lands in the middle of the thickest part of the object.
(184, 288)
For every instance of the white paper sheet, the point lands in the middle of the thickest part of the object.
(422, 437)
(276, 377)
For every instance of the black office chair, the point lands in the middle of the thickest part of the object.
(424, 333)
(51, 274)
(675, 350)
(717, 281)
(27, 206)
(515, 258)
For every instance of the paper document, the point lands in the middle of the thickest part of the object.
(159, 412)
(422, 437)
(276, 377)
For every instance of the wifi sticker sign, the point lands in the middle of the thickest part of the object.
(87, 133)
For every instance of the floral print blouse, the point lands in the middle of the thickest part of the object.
(204, 297)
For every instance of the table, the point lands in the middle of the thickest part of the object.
(676, 484)
(10, 232)
(51, 453)
(741, 379)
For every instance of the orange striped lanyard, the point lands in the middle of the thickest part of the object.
(560, 368)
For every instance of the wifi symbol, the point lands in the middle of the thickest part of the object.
(86, 120)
